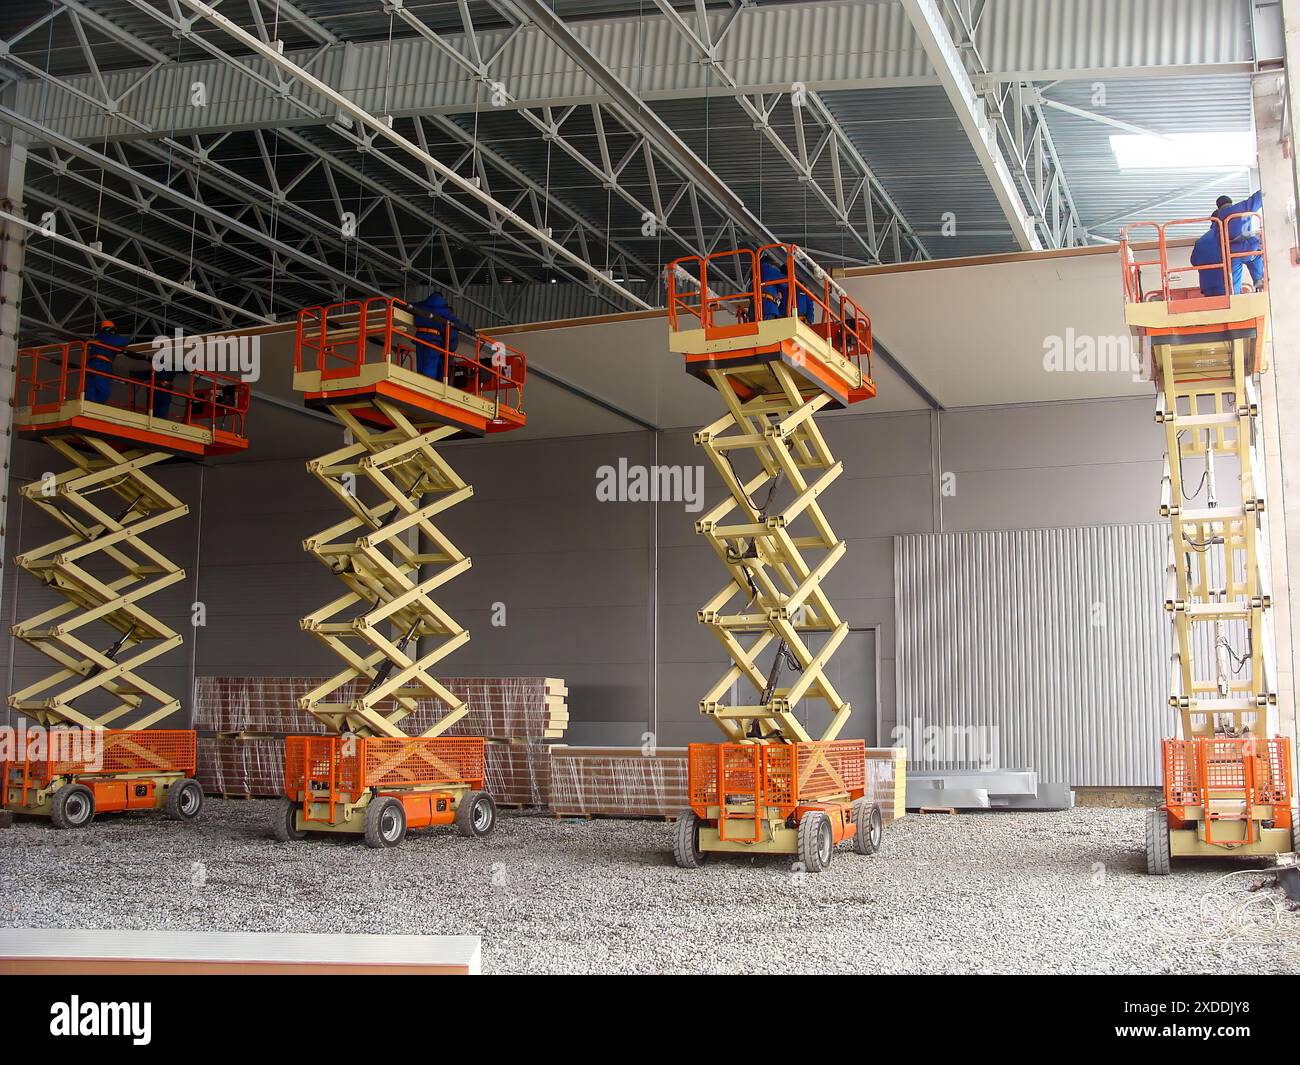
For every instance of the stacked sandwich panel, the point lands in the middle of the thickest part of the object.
(618, 781)
(242, 722)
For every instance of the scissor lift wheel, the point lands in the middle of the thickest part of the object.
(870, 827)
(385, 823)
(184, 799)
(284, 824)
(476, 815)
(1157, 839)
(686, 841)
(816, 841)
(73, 806)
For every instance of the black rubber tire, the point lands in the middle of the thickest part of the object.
(870, 833)
(686, 841)
(184, 799)
(476, 815)
(385, 823)
(816, 841)
(73, 807)
(284, 825)
(1157, 843)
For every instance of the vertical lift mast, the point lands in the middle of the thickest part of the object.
(95, 710)
(1227, 772)
(368, 775)
(778, 784)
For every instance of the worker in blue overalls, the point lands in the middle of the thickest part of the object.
(437, 330)
(805, 306)
(1243, 236)
(776, 286)
(164, 381)
(776, 291)
(100, 353)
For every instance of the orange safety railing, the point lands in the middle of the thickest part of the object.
(780, 775)
(1248, 770)
(339, 339)
(1144, 258)
(725, 295)
(51, 375)
(57, 752)
(337, 769)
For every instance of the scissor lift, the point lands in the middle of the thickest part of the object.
(1227, 771)
(778, 784)
(368, 776)
(90, 748)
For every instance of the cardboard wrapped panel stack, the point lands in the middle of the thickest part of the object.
(242, 722)
(241, 768)
(519, 774)
(253, 706)
(618, 781)
(512, 709)
(887, 780)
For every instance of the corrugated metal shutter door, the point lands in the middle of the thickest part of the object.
(1050, 643)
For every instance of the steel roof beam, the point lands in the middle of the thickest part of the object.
(445, 231)
(133, 201)
(767, 48)
(516, 175)
(639, 115)
(843, 153)
(384, 129)
(96, 254)
(201, 165)
(1022, 131)
(180, 257)
(159, 189)
(928, 24)
(550, 127)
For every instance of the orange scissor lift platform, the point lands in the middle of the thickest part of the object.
(781, 783)
(90, 747)
(370, 776)
(1227, 771)
(350, 353)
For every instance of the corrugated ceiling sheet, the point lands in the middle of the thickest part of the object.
(1161, 105)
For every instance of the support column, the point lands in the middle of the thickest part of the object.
(1280, 388)
(13, 160)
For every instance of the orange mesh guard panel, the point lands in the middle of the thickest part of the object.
(434, 760)
(1201, 769)
(346, 766)
(782, 775)
(89, 752)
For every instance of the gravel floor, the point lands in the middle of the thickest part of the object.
(993, 892)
